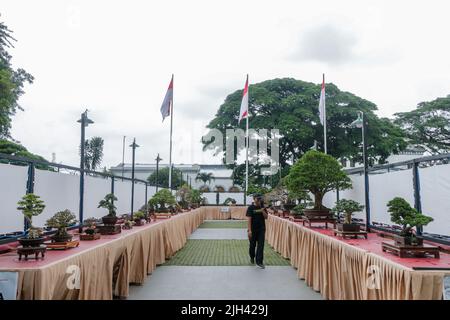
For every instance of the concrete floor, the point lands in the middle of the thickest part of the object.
(223, 282)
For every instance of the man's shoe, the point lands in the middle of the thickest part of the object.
(261, 265)
(252, 260)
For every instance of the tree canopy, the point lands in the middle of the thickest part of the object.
(291, 106)
(93, 153)
(163, 178)
(428, 125)
(12, 82)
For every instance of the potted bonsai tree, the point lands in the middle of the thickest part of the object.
(409, 218)
(195, 198)
(162, 200)
(108, 204)
(31, 205)
(138, 218)
(61, 221)
(90, 233)
(348, 207)
(317, 173)
(183, 194)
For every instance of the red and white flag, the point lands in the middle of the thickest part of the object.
(322, 111)
(168, 100)
(243, 113)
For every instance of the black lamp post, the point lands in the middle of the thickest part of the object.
(361, 123)
(158, 159)
(84, 121)
(134, 146)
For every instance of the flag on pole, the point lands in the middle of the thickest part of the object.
(322, 110)
(243, 113)
(168, 99)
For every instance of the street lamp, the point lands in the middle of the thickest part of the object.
(134, 146)
(158, 159)
(360, 122)
(84, 121)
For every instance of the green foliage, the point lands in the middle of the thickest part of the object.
(256, 189)
(162, 199)
(205, 177)
(11, 148)
(348, 207)
(93, 153)
(195, 197)
(317, 173)
(31, 205)
(408, 217)
(229, 201)
(163, 178)
(428, 125)
(61, 220)
(139, 215)
(12, 82)
(292, 107)
(108, 204)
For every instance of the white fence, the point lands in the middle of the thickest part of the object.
(211, 197)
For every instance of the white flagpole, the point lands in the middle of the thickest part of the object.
(324, 119)
(246, 145)
(170, 152)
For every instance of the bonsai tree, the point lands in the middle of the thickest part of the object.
(348, 207)
(139, 215)
(408, 217)
(234, 189)
(183, 194)
(317, 173)
(195, 197)
(229, 201)
(219, 188)
(90, 224)
(108, 204)
(162, 200)
(31, 205)
(61, 221)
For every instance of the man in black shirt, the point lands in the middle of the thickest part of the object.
(257, 215)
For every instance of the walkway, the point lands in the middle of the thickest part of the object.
(214, 264)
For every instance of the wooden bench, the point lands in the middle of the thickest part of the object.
(416, 251)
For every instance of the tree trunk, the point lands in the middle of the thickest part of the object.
(318, 197)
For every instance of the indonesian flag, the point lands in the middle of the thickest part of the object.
(243, 113)
(322, 103)
(168, 99)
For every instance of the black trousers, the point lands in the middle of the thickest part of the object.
(257, 243)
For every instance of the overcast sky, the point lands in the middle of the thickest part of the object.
(116, 59)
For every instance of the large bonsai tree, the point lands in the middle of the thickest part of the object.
(317, 173)
(162, 199)
(61, 221)
(108, 204)
(408, 217)
(31, 205)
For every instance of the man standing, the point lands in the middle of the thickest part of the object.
(257, 215)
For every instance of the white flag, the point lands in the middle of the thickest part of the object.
(168, 99)
(243, 113)
(322, 104)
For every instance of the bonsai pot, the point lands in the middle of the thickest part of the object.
(288, 207)
(138, 222)
(348, 227)
(313, 213)
(109, 220)
(31, 242)
(63, 238)
(407, 241)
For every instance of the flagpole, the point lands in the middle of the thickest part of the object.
(246, 155)
(324, 119)
(170, 152)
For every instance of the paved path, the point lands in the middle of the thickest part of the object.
(174, 282)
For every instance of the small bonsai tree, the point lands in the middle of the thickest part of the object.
(108, 204)
(61, 221)
(229, 201)
(183, 194)
(195, 197)
(162, 200)
(317, 173)
(139, 215)
(31, 205)
(408, 217)
(90, 224)
(348, 207)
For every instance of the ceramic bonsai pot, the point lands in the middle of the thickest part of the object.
(138, 222)
(407, 241)
(110, 220)
(58, 238)
(348, 227)
(31, 242)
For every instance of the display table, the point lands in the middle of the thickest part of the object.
(403, 251)
(104, 267)
(354, 268)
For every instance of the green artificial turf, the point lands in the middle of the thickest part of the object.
(234, 224)
(222, 253)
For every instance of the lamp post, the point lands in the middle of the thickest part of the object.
(158, 159)
(84, 121)
(134, 146)
(361, 123)
(123, 157)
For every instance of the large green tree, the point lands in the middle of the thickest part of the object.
(291, 106)
(12, 148)
(163, 178)
(12, 82)
(428, 125)
(93, 153)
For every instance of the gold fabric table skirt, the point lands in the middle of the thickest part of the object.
(341, 271)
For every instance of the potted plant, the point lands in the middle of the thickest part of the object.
(183, 194)
(108, 204)
(138, 218)
(127, 225)
(91, 231)
(317, 173)
(61, 221)
(409, 218)
(195, 198)
(229, 201)
(31, 205)
(348, 207)
(162, 200)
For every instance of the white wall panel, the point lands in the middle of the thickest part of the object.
(122, 190)
(95, 189)
(13, 182)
